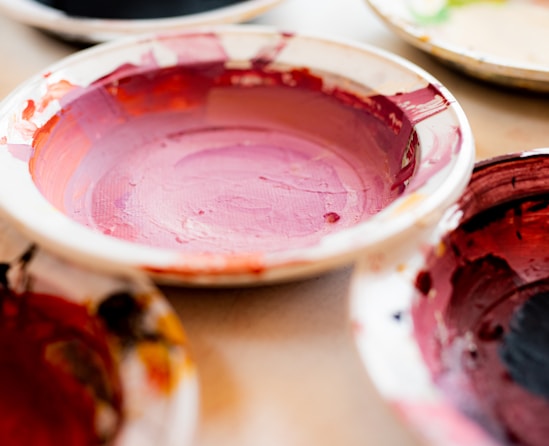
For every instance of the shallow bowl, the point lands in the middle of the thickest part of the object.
(230, 155)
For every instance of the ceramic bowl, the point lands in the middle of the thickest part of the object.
(79, 21)
(231, 155)
(472, 36)
(435, 331)
(103, 357)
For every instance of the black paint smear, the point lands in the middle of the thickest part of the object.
(525, 348)
(135, 9)
(498, 213)
(123, 316)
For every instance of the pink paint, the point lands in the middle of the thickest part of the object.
(202, 158)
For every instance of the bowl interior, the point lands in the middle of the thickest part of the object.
(202, 158)
(470, 291)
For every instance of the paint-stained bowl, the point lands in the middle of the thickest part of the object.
(93, 21)
(447, 334)
(87, 358)
(234, 155)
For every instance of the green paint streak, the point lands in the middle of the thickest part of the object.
(443, 14)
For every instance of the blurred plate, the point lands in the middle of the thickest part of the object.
(93, 30)
(501, 41)
(104, 357)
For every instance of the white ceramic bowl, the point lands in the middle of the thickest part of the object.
(104, 357)
(431, 329)
(261, 155)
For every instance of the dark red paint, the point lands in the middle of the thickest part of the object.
(55, 366)
(494, 262)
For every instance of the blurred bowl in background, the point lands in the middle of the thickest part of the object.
(100, 21)
(460, 329)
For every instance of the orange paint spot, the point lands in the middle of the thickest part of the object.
(156, 359)
(55, 92)
(170, 327)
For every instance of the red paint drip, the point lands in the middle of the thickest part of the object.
(55, 365)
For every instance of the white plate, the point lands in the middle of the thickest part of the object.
(92, 30)
(505, 41)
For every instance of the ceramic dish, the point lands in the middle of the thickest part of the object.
(235, 155)
(500, 41)
(455, 337)
(87, 358)
(94, 30)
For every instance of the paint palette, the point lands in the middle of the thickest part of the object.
(77, 25)
(473, 36)
(235, 155)
(105, 358)
(459, 332)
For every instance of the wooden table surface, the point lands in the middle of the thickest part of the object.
(277, 364)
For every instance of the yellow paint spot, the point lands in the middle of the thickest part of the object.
(440, 249)
(409, 202)
(170, 327)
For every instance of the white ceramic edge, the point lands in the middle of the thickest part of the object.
(480, 64)
(95, 30)
(335, 250)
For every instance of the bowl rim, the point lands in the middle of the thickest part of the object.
(97, 30)
(213, 269)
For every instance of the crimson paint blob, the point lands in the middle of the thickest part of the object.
(205, 158)
(56, 369)
(479, 285)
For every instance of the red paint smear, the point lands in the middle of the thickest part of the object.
(212, 265)
(28, 113)
(43, 402)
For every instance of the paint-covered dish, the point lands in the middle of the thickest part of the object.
(234, 155)
(500, 41)
(86, 358)
(456, 338)
(94, 21)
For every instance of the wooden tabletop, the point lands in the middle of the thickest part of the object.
(277, 364)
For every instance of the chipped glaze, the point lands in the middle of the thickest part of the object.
(408, 136)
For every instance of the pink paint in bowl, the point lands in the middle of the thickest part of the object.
(231, 153)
